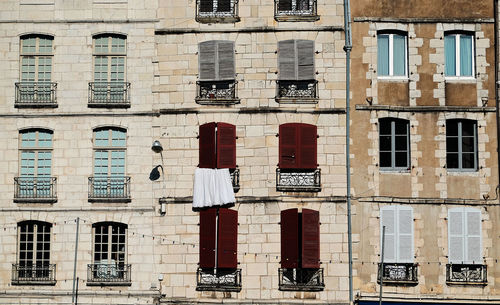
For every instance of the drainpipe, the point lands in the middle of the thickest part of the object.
(497, 84)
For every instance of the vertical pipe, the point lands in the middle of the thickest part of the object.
(216, 240)
(73, 298)
(381, 268)
(497, 104)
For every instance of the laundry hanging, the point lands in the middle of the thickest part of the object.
(212, 187)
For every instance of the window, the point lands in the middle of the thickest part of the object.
(392, 55)
(109, 88)
(394, 144)
(35, 88)
(33, 265)
(214, 11)
(461, 144)
(218, 251)
(295, 10)
(35, 183)
(296, 81)
(300, 251)
(217, 83)
(459, 55)
(109, 182)
(110, 254)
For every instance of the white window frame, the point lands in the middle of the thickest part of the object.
(396, 209)
(457, 58)
(465, 234)
(391, 56)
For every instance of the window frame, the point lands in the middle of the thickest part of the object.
(396, 209)
(35, 242)
(393, 122)
(37, 55)
(215, 16)
(457, 35)
(460, 152)
(465, 235)
(109, 55)
(110, 253)
(391, 35)
(36, 149)
(300, 129)
(109, 148)
(296, 14)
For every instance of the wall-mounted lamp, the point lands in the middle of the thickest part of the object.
(157, 148)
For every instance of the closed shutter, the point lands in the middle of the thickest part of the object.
(473, 236)
(307, 146)
(305, 59)
(287, 63)
(310, 238)
(405, 234)
(388, 219)
(227, 239)
(288, 154)
(456, 230)
(226, 145)
(225, 59)
(223, 5)
(284, 5)
(206, 6)
(289, 238)
(207, 238)
(207, 60)
(207, 146)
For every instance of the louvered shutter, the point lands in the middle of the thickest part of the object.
(228, 239)
(207, 238)
(223, 5)
(388, 220)
(207, 146)
(287, 63)
(456, 236)
(288, 154)
(207, 60)
(290, 238)
(284, 5)
(310, 238)
(225, 60)
(226, 145)
(307, 147)
(473, 218)
(405, 234)
(305, 59)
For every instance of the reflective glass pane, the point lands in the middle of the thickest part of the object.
(450, 56)
(466, 55)
(383, 54)
(399, 55)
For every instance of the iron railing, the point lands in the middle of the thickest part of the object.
(216, 14)
(235, 178)
(35, 94)
(109, 94)
(300, 180)
(466, 274)
(109, 274)
(35, 189)
(42, 274)
(301, 279)
(398, 273)
(222, 280)
(299, 10)
(297, 91)
(216, 92)
(109, 188)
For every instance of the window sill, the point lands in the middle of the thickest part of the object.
(397, 79)
(109, 105)
(35, 105)
(35, 200)
(463, 80)
(111, 200)
(298, 100)
(217, 19)
(452, 283)
(383, 170)
(105, 283)
(459, 172)
(217, 102)
(296, 18)
(34, 282)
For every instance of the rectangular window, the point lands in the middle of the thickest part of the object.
(464, 236)
(461, 144)
(459, 55)
(398, 244)
(394, 143)
(295, 10)
(215, 11)
(392, 55)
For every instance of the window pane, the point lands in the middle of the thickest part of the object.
(451, 144)
(118, 138)
(399, 57)
(383, 54)
(28, 139)
(468, 144)
(450, 56)
(101, 137)
(468, 128)
(385, 159)
(385, 143)
(117, 45)
(401, 159)
(44, 139)
(401, 143)
(465, 55)
(452, 160)
(385, 127)
(45, 45)
(468, 160)
(401, 127)
(451, 128)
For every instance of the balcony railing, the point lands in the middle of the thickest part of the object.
(235, 178)
(109, 274)
(399, 273)
(35, 189)
(222, 280)
(296, 10)
(214, 13)
(44, 274)
(109, 188)
(300, 279)
(297, 91)
(35, 95)
(109, 94)
(300, 180)
(468, 274)
(216, 92)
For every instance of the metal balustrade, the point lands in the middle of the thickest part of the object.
(109, 274)
(299, 180)
(398, 273)
(109, 94)
(220, 280)
(35, 189)
(35, 95)
(301, 279)
(216, 92)
(109, 188)
(466, 274)
(38, 274)
(297, 91)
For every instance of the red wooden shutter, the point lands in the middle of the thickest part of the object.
(290, 238)
(288, 154)
(207, 238)
(308, 146)
(227, 239)
(310, 238)
(226, 145)
(207, 146)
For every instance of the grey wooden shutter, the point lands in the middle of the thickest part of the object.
(456, 236)
(225, 55)
(305, 59)
(473, 238)
(388, 219)
(287, 63)
(207, 60)
(405, 234)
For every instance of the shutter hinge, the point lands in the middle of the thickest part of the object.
(277, 135)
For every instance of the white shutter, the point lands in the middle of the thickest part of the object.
(388, 219)
(405, 234)
(287, 63)
(207, 60)
(473, 237)
(456, 236)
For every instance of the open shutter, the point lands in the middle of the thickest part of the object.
(284, 5)
(207, 238)
(288, 154)
(226, 145)
(388, 220)
(305, 59)
(456, 236)
(225, 59)
(207, 146)
(207, 60)
(290, 238)
(227, 239)
(287, 63)
(223, 5)
(405, 234)
(310, 238)
(307, 147)
(473, 241)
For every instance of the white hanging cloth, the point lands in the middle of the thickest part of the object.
(212, 187)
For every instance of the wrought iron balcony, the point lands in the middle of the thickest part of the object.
(35, 189)
(297, 91)
(43, 274)
(216, 92)
(301, 279)
(109, 189)
(298, 10)
(222, 280)
(215, 13)
(235, 178)
(300, 180)
(35, 95)
(398, 274)
(109, 274)
(468, 274)
(109, 94)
